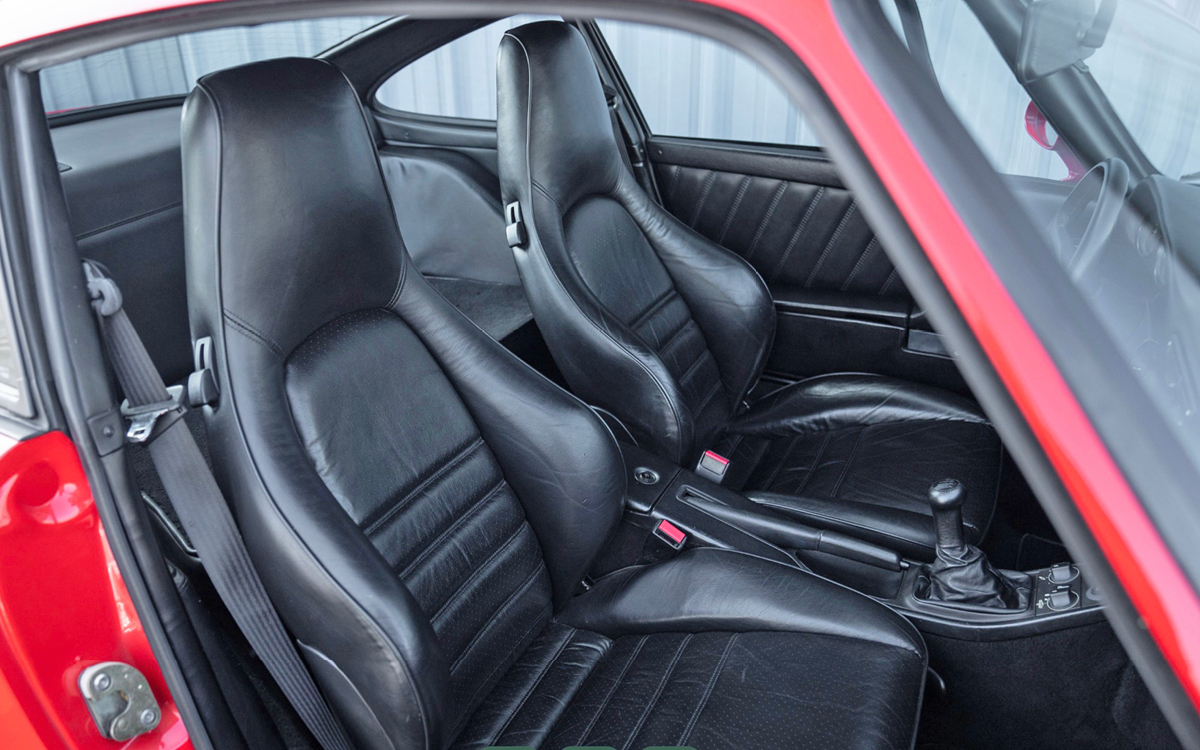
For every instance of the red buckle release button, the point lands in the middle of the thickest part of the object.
(670, 533)
(712, 466)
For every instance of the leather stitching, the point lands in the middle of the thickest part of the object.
(666, 678)
(399, 285)
(712, 682)
(455, 460)
(467, 515)
(654, 307)
(849, 460)
(862, 259)
(817, 462)
(673, 182)
(533, 687)
(250, 332)
(689, 372)
(795, 238)
(786, 455)
(502, 663)
(672, 338)
(130, 220)
(707, 399)
(737, 202)
(546, 193)
(766, 219)
(708, 183)
(830, 243)
(480, 570)
(888, 283)
(587, 731)
(496, 616)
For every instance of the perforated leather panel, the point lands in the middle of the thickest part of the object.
(434, 502)
(715, 691)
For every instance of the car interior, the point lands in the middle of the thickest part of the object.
(548, 430)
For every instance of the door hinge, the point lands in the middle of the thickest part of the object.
(119, 699)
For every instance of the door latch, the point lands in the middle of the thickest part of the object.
(119, 699)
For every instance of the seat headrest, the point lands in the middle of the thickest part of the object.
(286, 212)
(552, 118)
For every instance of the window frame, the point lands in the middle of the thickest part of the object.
(437, 42)
(604, 54)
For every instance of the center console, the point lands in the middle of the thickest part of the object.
(959, 595)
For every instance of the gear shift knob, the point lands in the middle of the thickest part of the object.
(946, 499)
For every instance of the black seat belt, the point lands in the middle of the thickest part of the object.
(155, 413)
(633, 152)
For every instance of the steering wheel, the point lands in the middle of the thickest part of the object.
(1082, 225)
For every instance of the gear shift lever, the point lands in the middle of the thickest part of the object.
(946, 498)
(962, 573)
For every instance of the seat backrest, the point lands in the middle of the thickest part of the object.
(416, 499)
(644, 317)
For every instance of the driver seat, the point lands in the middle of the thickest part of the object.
(668, 331)
(423, 507)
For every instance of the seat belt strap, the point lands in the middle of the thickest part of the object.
(156, 420)
(633, 152)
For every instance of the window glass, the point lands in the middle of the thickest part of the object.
(170, 66)
(455, 80)
(691, 86)
(1149, 68)
(981, 88)
(1128, 243)
(14, 390)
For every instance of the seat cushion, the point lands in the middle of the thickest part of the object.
(713, 649)
(709, 690)
(858, 453)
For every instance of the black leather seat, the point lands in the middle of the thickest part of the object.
(423, 506)
(668, 331)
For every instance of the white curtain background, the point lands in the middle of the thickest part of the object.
(691, 86)
(170, 66)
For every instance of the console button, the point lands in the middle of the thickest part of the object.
(1060, 600)
(1063, 573)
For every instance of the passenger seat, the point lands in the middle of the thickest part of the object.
(423, 506)
(669, 331)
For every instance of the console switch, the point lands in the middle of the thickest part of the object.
(1061, 600)
(1063, 573)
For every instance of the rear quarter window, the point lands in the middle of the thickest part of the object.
(170, 66)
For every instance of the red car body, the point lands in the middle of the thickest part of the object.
(63, 604)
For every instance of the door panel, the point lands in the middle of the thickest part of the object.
(840, 303)
(796, 234)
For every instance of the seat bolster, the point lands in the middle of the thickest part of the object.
(708, 589)
(605, 362)
(726, 296)
(830, 402)
(560, 457)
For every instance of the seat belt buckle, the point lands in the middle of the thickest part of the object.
(514, 229)
(668, 532)
(712, 466)
(143, 419)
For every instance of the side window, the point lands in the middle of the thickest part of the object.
(457, 79)
(170, 66)
(690, 86)
(981, 88)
